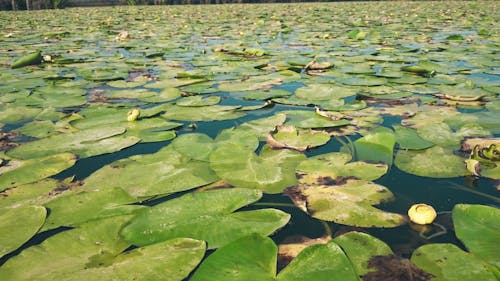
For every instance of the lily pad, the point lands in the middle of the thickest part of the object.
(349, 203)
(254, 258)
(202, 113)
(17, 172)
(84, 143)
(447, 262)
(171, 260)
(194, 101)
(164, 172)
(272, 171)
(207, 215)
(408, 138)
(309, 119)
(289, 137)
(434, 162)
(337, 165)
(360, 248)
(18, 225)
(377, 146)
(73, 249)
(473, 221)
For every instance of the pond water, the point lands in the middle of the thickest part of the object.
(395, 95)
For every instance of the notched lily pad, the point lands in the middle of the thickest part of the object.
(349, 203)
(207, 215)
(338, 166)
(290, 137)
(18, 225)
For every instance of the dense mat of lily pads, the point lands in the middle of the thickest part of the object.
(245, 101)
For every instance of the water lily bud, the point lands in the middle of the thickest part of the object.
(422, 214)
(133, 114)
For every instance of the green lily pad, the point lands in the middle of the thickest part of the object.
(360, 248)
(84, 143)
(171, 260)
(195, 101)
(18, 225)
(289, 137)
(73, 249)
(448, 263)
(254, 258)
(309, 119)
(266, 94)
(164, 172)
(337, 165)
(375, 146)
(88, 203)
(202, 113)
(207, 215)
(272, 171)
(434, 162)
(349, 203)
(408, 138)
(261, 127)
(477, 226)
(17, 172)
(195, 146)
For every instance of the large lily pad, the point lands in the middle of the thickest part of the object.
(290, 137)
(161, 173)
(447, 262)
(206, 215)
(203, 113)
(478, 227)
(171, 260)
(360, 248)
(337, 165)
(309, 119)
(375, 146)
(272, 171)
(17, 172)
(74, 250)
(434, 162)
(84, 143)
(18, 225)
(254, 258)
(408, 138)
(348, 203)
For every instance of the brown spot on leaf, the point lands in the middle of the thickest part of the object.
(394, 268)
(293, 245)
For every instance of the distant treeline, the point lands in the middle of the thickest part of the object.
(59, 4)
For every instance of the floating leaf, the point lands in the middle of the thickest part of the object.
(254, 258)
(348, 203)
(164, 172)
(202, 113)
(195, 101)
(473, 221)
(434, 162)
(17, 172)
(408, 138)
(207, 215)
(289, 137)
(337, 165)
(272, 171)
(84, 204)
(375, 146)
(73, 249)
(84, 143)
(171, 260)
(360, 248)
(18, 225)
(448, 262)
(309, 119)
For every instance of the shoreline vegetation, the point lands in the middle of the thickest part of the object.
(15, 5)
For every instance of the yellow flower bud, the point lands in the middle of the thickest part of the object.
(133, 114)
(422, 214)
